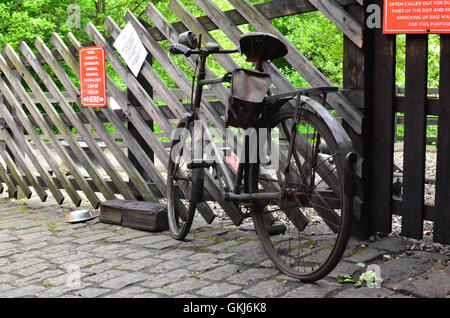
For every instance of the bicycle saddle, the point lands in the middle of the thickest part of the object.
(263, 46)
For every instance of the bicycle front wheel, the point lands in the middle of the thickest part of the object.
(180, 208)
(305, 233)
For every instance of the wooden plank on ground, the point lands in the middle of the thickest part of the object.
(442, 212)
(415, 135)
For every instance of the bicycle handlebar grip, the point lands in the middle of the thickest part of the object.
(178, 49)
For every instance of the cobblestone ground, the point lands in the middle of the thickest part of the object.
(42, 256)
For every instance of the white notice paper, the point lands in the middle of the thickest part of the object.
(131, 48)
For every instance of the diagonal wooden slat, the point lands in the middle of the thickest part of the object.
(27, 148)
(340, 103)
(213, 187)
(342, 19)
(125, 190)
(30, 129)
(140, 155)
(22, 165)
(43, 124)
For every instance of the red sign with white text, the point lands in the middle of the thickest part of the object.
(93, 76)
(422, 17)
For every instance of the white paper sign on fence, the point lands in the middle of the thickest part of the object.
(131, 48)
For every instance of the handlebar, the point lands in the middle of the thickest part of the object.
(180, 49)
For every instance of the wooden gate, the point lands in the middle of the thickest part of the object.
(382, 105)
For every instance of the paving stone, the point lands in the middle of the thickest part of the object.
(397, 270)
(344, 269)
(127, 292)
(27, 271)
(102, 267)
(223, 246)
(91, 292)
(433, 285)
(7, 278)
(251, 275)
(177, 254)
(93, 238)
(218, 290)
(210, 233)
(267, 289)
(139, 264)
(122, 237)
(205, 265)
(364, 293)
(21, 264)
(139, 254)
(104, 276)
(319, 289)
(391, 244)
(124, 280)
(38, 277)
(181, 287)
(149, 239)
(171, 265)
(59, 291)
(163, 244)
(31, 290)
(364, 256)
(222, 272)
(166, 278)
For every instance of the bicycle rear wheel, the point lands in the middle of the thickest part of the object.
(308, 230)
(180, 208)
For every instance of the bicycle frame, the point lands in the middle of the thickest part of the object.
(233, 193)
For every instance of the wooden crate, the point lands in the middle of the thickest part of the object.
(147, 216)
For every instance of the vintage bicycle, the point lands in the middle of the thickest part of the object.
(302, 209)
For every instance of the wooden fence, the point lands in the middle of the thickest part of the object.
(382, 105)
(32, 98)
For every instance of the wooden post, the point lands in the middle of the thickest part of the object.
(379, 127)
(442, 215)
(134, 132)
(354, 73)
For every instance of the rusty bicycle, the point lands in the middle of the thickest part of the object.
(301, 199)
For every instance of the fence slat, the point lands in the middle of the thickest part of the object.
(68, 136)
(348, 111)
(235, 214)
(415, 135)
(124, 189)
(442, 213)
(16, 176)
(4, 176)
(18, 158)
(37, 141)
(44, 125)
(26, 147)
(132, 172)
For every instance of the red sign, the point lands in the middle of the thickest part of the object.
(405, 17)
(93, 76)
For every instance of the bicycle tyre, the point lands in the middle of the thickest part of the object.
(264, 231)
(178, 227)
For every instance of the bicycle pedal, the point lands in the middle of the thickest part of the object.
(200, 165)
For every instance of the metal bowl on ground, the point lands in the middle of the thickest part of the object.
(80, 216)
